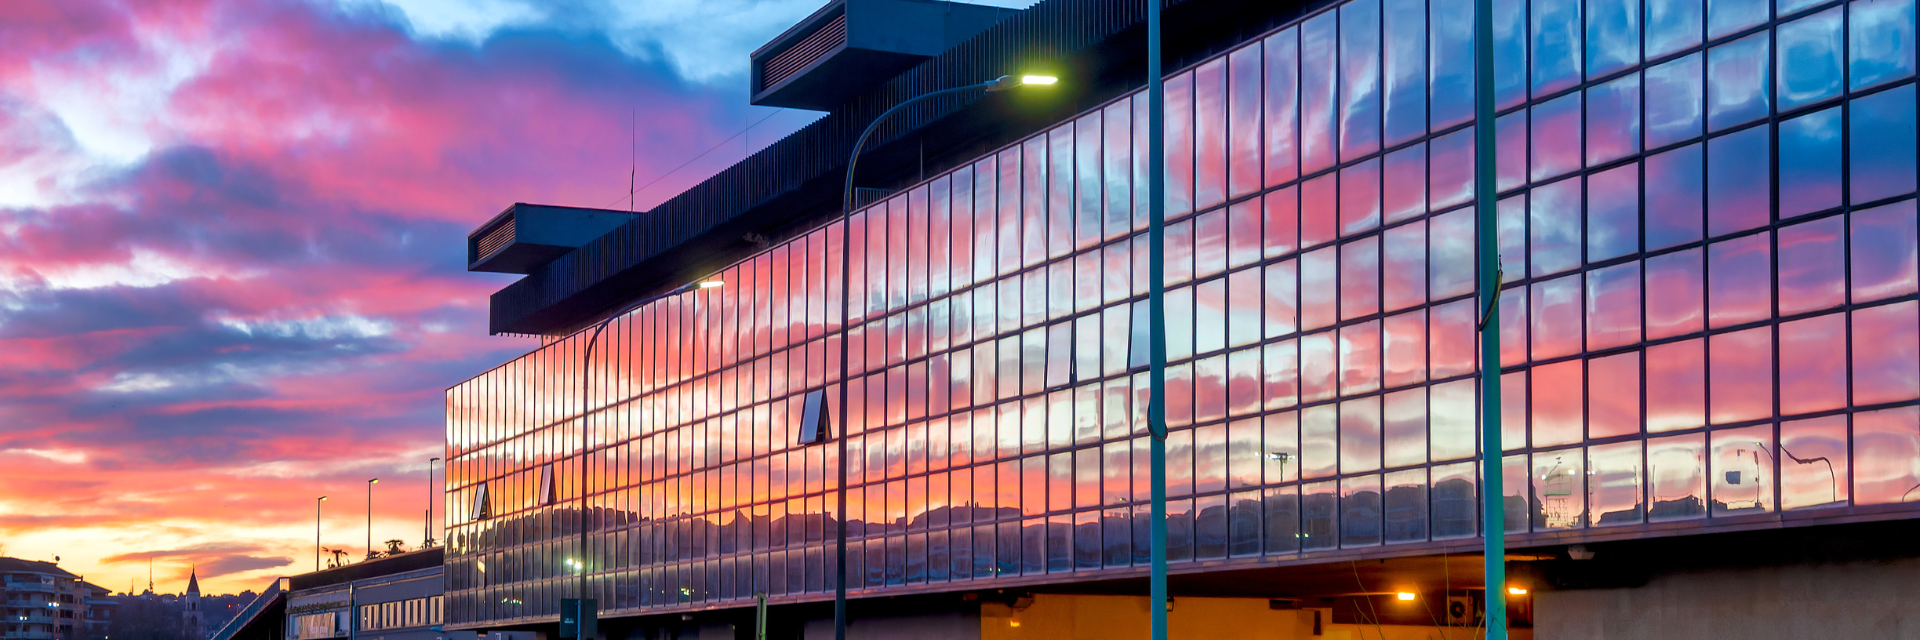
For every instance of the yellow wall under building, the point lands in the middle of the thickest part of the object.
(1069, 617)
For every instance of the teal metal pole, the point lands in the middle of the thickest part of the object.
(1157, 316)
(1485, 201)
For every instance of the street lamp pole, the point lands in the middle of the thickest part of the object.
(316, 532)
(586, 369)
(1001, 83)
(370, 484)
(429, 521)
(1485, 195)
(1157, 322)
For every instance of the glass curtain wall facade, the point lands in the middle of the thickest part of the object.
(1708, 243)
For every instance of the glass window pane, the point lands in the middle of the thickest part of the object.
(1613, 36)
(1725, 17)
(1556, 322)
(1613, 120)
(1809, 59)
(1675, 286)
(1281, 299)
(1737, 80)
(1283, 109)
(1404, 176)
(1739, 288)
(1245, 120)
(1210, 134)
(1810, 163)
(1282, 506)
(1319, 508)
(1360, 197)
(1359, 435)
(1613, 396)
(1886, 456)
(1881, 154)
(1556, 45)
(1513, 410)
(1614, 480)
(1405, 346)
(1455, 502)
(1675, 92)
(1360, 511)
(1886, 354)
(1319, 441)
(1179, 146)
(1553, 214)
(1453, 421)
(1405, 102)
(1673, 25)
(1677, 476)
(1743, 471)
(1741, 372)
(1557, 403)
(1676, 384)
(1674, 182)
(1812, 266)
(1813, 464)
(1318, 291)
(1453, 339)
(1884, 258)
(1452, 71)
(1281, 362)
(1510, 140)
(1510, 220)
(1360, 278)
(1404, 278)
(1282, 211)
(1317, 108)
(1514, 489)
(1450, 176)
(1737, 180)
(1559, 485)
(1452, 256)
(1359, 78)
(1509, 53)
(1319, 211)
(1405, 428)
(1243, 233)
(1282, 447)
(1406, 506)
(1879, 42)
(1813, 364)
(1613, 306)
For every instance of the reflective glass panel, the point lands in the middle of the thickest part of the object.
(1319, 211)
(1613, 120)
(1558, 414)
(1613, 213)
(1556, 321)
(1885, 353)
(1886, 455)
(1739, 288)
(1677, 476)
(1813, 366)
(1724, 17)
(1556, 45)
(1453, 423)
(1317, 46)
(1454, 501)
(1405, 73)
(1737, 80)
(1613, 395)
(1813, 463)
(1809, 59)
(1451, 260)
(1319, 441)
(1359, 278)
(1451, 172)
(1404, 272)
(1675, 100)
(1676, 386)
(1812, 266)
(1810, 163)
(1360, 197)
(1879, 42)
(1674, 187)
(1613, 306)
(1405, 428)
(1360, 511)
(1673, 25)
(1359, 78)
(1614, 474)
(1737, 180)
(1553, 214)
(1884, 259)
(1881, 154)
(1404, 195)
(1360, 358)
(1675, 289)
(1559, 490)
(1613, 36)
(1282, 107)
(1405, 346)
(1282, 211)
(1451, 24)
(1741, 371)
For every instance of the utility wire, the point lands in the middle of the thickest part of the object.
(631, 191)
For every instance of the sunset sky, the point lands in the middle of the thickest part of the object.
(231, 245)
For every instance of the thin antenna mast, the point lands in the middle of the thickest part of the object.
(633, 153)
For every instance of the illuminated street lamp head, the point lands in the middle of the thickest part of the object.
(374, 481)
(323, 498)
(1518, 591)
(1004, 83)
(712, 284)
(1404, 595)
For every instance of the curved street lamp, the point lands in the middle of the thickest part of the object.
(370, 484)
(1002, 83)
(316, 532)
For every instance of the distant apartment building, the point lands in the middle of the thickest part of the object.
(44, 602)
(393, 598)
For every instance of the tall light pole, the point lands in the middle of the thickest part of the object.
(316, 532)
(1492, 496)
(370, 484)
(1001, 83)
(1157, 321)
(583, 605)
(429, 521)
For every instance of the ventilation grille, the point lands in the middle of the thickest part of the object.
(805, 52)
(495, 239)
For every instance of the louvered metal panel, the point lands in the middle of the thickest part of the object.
(805, 52)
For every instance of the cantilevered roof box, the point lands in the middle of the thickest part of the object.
(526, 236)
(851, 45)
